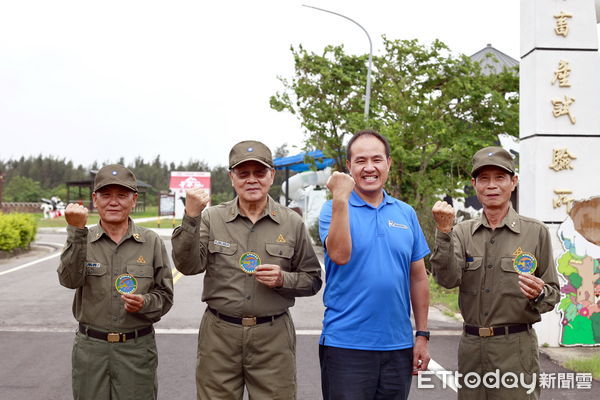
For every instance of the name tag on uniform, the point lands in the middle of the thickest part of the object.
(220, 243)
(93, 264)
(396, 225)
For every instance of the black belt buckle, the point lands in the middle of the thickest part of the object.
(248, 321)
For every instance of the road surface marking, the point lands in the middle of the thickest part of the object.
(29, 264)
(176, 275)
(446, 377)
(175, 331)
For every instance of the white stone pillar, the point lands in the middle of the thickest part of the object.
(559, 122)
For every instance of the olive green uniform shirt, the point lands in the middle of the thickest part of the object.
(214, 241)
(480, 261)
(91, 262)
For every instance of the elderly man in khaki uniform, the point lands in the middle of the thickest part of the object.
(503, 265)
(257, 257)
(124, 284)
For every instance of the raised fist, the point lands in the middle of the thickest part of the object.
(196, 200)
(340, 185)
(76, 215)
(443, 213)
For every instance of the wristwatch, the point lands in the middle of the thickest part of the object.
(425, 334)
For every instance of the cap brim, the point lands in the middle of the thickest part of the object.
(475, 171)
(251, 159)
(115, 183)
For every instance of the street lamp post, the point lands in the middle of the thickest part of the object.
(368, 91)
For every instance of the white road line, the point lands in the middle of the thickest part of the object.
(50, 244)
(29, 264)
(173, 331)
(442, 374)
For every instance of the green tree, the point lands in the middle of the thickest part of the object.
(220, 186)
(21, 188)
(436, 109)
(326, 94)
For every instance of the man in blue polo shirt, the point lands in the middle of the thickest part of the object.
(374, 249)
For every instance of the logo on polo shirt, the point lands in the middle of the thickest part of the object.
(396, 225)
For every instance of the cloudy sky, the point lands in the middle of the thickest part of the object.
(96, 80)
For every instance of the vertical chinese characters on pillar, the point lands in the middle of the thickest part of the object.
(563, 199)
(561, 75)
(561, 159)
(561, 107)
(562, 24)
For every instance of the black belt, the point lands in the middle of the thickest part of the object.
(496, 330)
(245, 321)
(115, 337)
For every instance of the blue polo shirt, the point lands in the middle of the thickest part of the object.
(367, 301)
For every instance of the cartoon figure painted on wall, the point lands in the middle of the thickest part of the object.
(580, 267)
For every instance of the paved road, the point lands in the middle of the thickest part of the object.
(36, 333)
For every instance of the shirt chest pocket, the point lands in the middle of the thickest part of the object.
(144, 275)
(509, 278)
(222, 260)
(471, 279)
(95, 269)
(222, 253)
(279, 254)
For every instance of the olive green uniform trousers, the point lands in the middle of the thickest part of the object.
(114, 371)
(261, 357)
(515, 353)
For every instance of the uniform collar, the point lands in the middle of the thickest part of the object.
(511, 221)
(133, 231)
(272, 210)
(357, 201)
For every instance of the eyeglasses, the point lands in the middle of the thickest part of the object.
(245, 174)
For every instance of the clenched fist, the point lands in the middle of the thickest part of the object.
(443, 213)
(76, 215)
(340, 185)
(195, 201)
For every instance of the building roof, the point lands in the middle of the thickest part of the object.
(493, 60)
(302, 161)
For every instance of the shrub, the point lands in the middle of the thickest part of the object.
(313, 231)
(16, 230)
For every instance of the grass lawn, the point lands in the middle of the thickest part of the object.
(591, 364)
(446, 298)
(151, 211)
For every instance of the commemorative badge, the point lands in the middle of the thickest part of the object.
(524, 263)
(126, 284)
(249, 261)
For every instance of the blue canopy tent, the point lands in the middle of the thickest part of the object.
(301, 162)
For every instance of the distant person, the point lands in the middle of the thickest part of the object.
(123, 279)
(374, 250)
(503, 265)
(257, 258)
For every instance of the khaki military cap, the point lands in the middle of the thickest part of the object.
(250, 150)
(492, 157)
(115, 174)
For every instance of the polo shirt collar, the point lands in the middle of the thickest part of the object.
(511, 221)
(357, 201)
(271, 210)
